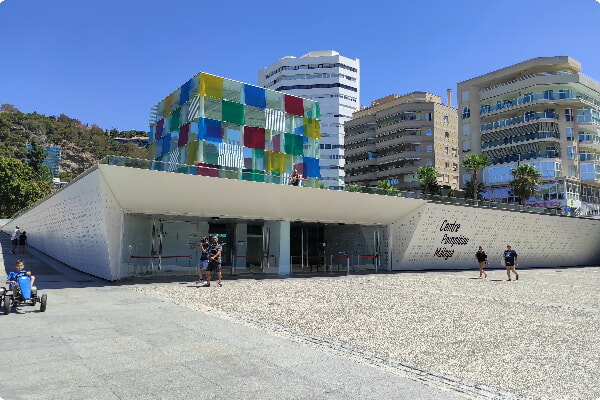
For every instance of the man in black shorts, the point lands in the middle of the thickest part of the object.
(511, 259)
(214, 260)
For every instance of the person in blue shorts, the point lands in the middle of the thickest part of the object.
(511, 259)
(203, 263)
(11, 279)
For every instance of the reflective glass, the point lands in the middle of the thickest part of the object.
(232, 91)
(255, 96)
(211, 108)
(274, 100)
(255, 117)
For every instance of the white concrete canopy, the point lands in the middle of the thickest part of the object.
(156, 192)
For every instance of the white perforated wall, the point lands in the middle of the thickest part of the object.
(79, 226)
(446, 236)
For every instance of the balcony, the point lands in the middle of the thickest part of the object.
(589, 141)
(521, 119)
(554, 96)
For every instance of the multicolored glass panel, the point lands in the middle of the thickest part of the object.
(223, 128)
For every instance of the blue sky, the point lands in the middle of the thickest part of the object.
(109, 61)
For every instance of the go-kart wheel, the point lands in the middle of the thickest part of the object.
(43, 302)
(6, 305)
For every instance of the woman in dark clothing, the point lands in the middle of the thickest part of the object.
(482, 261)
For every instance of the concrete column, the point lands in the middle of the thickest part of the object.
(279, 246)
(241, 245)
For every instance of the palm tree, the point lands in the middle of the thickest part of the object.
(473, 163)
(527, 178)
(469, 188)
(428, 176)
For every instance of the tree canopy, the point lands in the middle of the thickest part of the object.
(526, 180)
(19, 186)
(473, 163)
(428, 176)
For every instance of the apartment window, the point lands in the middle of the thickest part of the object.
(549, 113)
(528, 98)
(569, 133)
(372, 155)
(428, 132)
(466, 146)
(564, 94)
(428, 116)
(447, 165)
(466, 129)
(429, 148)
(571, 152)
(446, 150)
(447, 135)
(548, 94)
(568, 114)
(446, 119)
(572, 170)
(466, 113)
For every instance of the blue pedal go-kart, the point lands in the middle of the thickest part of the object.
(22, 294)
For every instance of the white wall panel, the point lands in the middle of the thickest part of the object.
(79, 226)
(446, 236)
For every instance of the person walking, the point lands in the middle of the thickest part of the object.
(14, 239)
(22, 241)
(511, 260)
(214, 261)
(203, 263)
(481, 261)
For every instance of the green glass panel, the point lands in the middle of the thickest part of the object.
(229, 174)
(276, 178)
(174, 120)
(211, 153)
(182, 170)
(258, 175)
(233, 112)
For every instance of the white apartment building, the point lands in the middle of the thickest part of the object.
(543, 112)
(332, 80)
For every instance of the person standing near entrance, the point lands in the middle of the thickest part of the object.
(214, 261)
(203, 263)
(481, 261)
(14, 239)
(511, 259)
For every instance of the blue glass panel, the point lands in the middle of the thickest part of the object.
(166, 144)
(210, 129)
(184, 96)
(255, 96)
(311, 167)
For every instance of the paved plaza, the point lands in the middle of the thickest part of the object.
(411, 335)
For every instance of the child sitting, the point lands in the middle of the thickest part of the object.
(11, 279)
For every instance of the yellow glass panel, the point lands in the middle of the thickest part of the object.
(168, 104)
(192, 153)
(211, 85)
(277, 163)
(312, 128)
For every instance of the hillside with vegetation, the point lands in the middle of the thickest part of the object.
(23, 177)
(81, 145)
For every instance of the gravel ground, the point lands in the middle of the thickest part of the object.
(537, 338)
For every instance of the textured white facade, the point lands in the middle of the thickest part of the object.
(109, 222)
(332, 80)
(80, 226)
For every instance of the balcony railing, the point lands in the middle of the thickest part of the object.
(538, 96)
(518, 120)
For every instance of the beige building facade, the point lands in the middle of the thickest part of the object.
(395, 135)
(543, 112)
